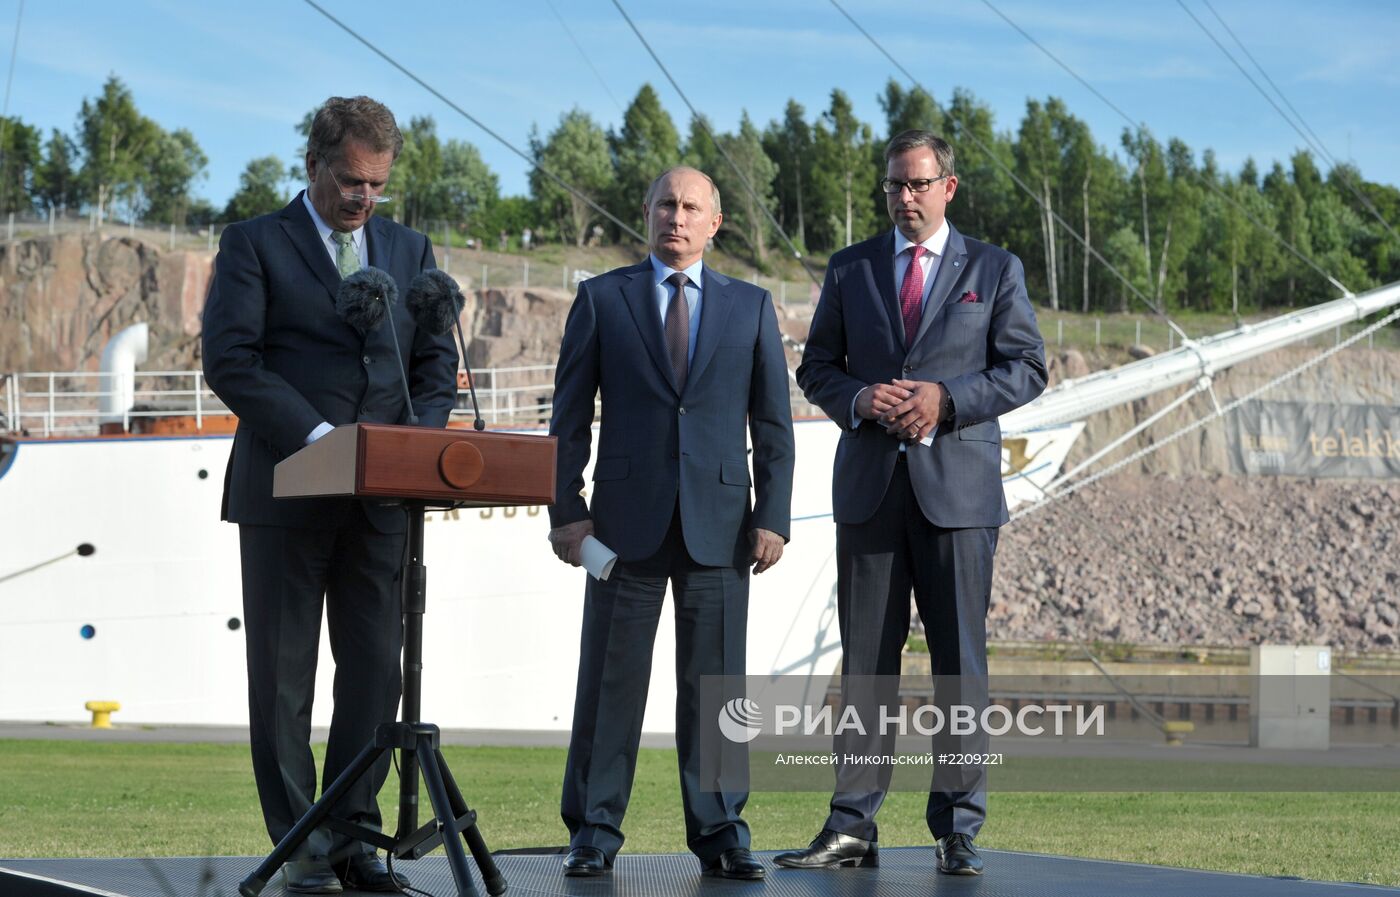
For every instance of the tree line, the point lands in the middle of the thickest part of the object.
(1176, 227)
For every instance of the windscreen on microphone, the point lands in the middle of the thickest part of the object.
(435, 301)
(364, 297)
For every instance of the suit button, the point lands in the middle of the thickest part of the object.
(682, 411)
(368, 360)
(907, 368)
(364, 412)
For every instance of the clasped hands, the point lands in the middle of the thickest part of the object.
(765, 546)
(909, 409)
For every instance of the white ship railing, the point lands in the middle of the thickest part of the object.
(68, 404)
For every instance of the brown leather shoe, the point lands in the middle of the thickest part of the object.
(957, 856)
(830, 849)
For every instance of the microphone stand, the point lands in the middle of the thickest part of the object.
(403, 377)
(477, 424)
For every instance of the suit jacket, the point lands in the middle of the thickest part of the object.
(657, 443)
(988, 354)
(283, 361)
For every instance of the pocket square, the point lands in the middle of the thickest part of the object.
(969, 296)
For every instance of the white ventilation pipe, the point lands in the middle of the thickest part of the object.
(118, 381)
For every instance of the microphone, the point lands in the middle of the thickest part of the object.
(364, 297)
(435, 301)
(363, 302)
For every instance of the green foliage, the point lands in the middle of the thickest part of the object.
(576, 152)
(509, 215)
(56, 177)
(259, 190)
(909, 109)
(176, 164)
(117, 141)
(1182, 233)
(19, 160)
(647, 145)
(789, 144)
(845, 177)
(746, 190)
(467, 187)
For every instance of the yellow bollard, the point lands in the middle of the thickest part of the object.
(102, 713)
(1176, 731)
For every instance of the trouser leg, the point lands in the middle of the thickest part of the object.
(873, 583)
(284, 575)
(953, 581)
(711, 619)
(619, 629)
(364, 616)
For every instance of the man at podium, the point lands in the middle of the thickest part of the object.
(280, 357)
(689, 363)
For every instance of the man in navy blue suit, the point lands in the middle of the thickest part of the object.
(922, 338)
(688, 363)
(282, 360)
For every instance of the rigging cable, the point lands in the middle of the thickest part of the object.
(704, 126)
(1009, 172)
(1317, 147)
(586, 60)
(534, 163)
(1214, 415)
(1199, 176)
(5, 111)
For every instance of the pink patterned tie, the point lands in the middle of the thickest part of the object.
(911, 295)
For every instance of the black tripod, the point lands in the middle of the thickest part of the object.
(418, 744)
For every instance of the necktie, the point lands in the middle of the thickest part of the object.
(347, 260)
(678, 330)
(911, 295)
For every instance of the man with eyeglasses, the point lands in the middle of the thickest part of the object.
(291, 369)
(922, 338)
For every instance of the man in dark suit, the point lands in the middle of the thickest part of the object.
(282, 360)
(687, 362)
(921, 339)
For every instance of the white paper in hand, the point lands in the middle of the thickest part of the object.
(598, 559)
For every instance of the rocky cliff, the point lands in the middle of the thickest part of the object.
(63, 297)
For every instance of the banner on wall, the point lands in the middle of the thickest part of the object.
(1313, 439)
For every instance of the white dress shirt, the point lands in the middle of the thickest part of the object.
(929, 264)
(694, 294)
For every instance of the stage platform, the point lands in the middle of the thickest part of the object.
(903, 872)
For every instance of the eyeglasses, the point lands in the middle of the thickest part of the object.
(918, 185)
(376, 199)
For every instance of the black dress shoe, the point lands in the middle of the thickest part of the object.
(957, 856)
(830, 849)
(586, 861)
(366, 872)
(736, 862)
(313, 876)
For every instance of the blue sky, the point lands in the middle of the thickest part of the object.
(240, 75)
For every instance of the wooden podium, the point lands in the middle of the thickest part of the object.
(460, 467)
(423, 468)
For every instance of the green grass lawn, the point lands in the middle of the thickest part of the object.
(90, 799)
